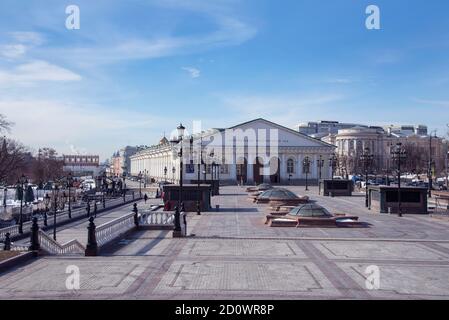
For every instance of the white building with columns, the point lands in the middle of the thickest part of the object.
(250, 153)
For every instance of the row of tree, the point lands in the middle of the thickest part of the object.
(417, 162)
(17, 159)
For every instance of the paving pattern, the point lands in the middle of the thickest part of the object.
(232, 254)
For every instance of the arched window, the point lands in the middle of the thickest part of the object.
(290, 166)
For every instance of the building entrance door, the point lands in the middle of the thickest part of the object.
(242, 174)
(275, 170)
(258, 177)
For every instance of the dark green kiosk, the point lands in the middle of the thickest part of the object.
(336, 188)
(384, 199)
(190, 195)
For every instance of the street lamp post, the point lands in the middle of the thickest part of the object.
(55, 204)
(5, 195)
(367, 159)
(47, 200)
(212, 167)
(430, 163)
(320, 162)
(173, 170)
(447, 170)
(399, 155)
(200, 161)
(181, 130)
(69, 185)
(165, 173)
(140, 184)
(21, 183)
(333, 164)
(306, 170)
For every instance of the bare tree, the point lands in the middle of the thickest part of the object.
(46, 166)
(5, 125)
(13, 160)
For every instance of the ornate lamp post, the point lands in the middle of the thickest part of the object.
(69, 186)
(5, 195)
(306, 169)
(320, 163)
(212, 171)
(198, 202)
(367, 159)
(21, 183)
(47, 200)
(55, 206)
(333, 165)
(124, 182)
(140, 184)
(181, 130)
(399, 155)
(430, 164)
(165, 173)
(447, 170)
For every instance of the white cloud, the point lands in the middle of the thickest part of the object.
(284, 109)
(339, 81)
(31, 38)
(71, 127)
(12, 51)
(224, 28)
(19, 44)
(194, 72)
(439, 103)
(36, 71)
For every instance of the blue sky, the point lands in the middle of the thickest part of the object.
(137, 68)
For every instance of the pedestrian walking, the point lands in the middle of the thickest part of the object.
(145, 198)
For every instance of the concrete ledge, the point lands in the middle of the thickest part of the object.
(6, 265)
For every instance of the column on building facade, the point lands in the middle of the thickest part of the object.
(249, 169)
(283, 169)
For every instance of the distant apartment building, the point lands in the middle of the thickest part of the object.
(82, 165)
(420, 146)
(121, 162)
(322, 128)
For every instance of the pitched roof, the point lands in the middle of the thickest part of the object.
(303, 135)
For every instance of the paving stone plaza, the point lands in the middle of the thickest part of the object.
(232, 254)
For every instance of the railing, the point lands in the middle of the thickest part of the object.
(113, 229)
(61, 217)
(149, 217)
(15, 247)
(73, 247)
